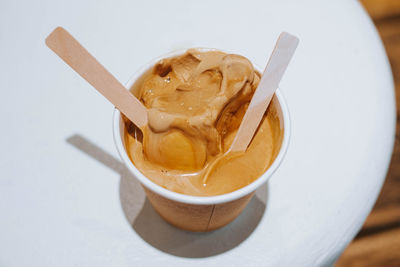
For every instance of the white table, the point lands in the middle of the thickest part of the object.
(65, 199)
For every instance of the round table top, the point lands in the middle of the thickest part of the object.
(66, 199)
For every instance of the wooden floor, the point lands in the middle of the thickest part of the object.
(378, 243)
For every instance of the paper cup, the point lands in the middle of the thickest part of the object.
(198, 213)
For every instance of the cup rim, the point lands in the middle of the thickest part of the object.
(190, 199)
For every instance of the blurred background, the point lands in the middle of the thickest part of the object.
(378, 242)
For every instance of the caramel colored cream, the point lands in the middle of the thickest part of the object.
(196, 102)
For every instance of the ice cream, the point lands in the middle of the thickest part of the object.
(196, 102)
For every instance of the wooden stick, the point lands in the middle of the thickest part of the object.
(276, 66)
(79, 59)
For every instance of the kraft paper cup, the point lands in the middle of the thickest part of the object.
(197, 213)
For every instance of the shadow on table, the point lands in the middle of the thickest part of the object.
(161, 235)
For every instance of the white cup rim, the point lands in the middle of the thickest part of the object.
(199, 200)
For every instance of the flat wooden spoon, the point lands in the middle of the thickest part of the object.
(79, 59)
(276, 66)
